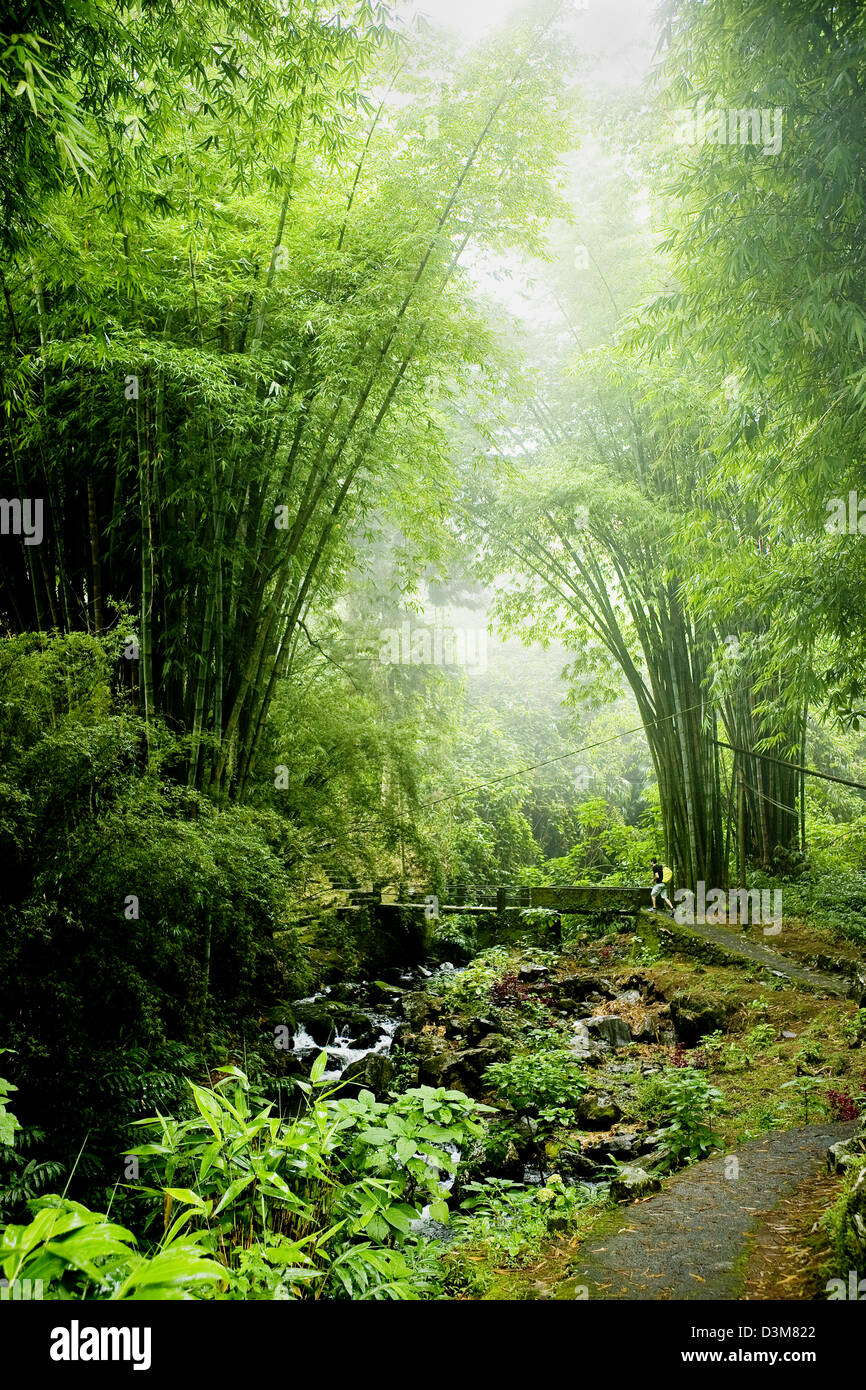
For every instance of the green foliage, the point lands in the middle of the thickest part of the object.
(541, 922)
(833, 899)
(810, 1092)
(8, 1122)
(844, 1221)
(724, 1053)
(470, 987)
(683, 1102)
(538, 1081)
(455, 938)
(513, 1222)
(318, 1195)
(758, 1040)
(80, 1254)
(24, 1174)
(256, 1207)
(142, 918)
(854, 1028)
(267, 256)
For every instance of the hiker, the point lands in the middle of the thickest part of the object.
(660, 881)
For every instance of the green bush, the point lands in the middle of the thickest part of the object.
(513, 1222)
(538, 1080)
(252, 1206)
(683, 1103)
(454, 938)
(854, 1029)
(143, 929)
(470, 988)
(845, 1221)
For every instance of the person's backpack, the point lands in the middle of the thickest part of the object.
(667, 874)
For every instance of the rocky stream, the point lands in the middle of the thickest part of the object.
(369, 1029)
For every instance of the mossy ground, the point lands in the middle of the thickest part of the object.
(752, 1077)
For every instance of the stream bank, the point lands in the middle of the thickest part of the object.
(609, 1017)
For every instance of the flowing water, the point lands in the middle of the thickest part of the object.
(342, 1052)
(343, 1048)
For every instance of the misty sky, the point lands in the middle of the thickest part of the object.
(619, 32)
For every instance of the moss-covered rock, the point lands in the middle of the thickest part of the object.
(695, 1014)
(631, 1183)
(597, 1112)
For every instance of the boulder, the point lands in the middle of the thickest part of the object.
(371, 1073)
(432, 1053)
(479, 1028)
(386, 996)
(362, 1035)
(420, 1008)
(344, 992)
(857, 989)
(695, 1015)
(646, 1030)
(632, 1182)
(621, 1147)
(441, 1065)
(462, 1071)
(576, 1166)
(499, 1044)
(531, 974)
(578, 986)
(586, 1048)
(614, 1031)
(317, 1019)
(644, 984)
(628, 996)
(597, 1112)
(845, 1154)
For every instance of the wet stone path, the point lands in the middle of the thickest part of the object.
(743, 947)
(687, 1241)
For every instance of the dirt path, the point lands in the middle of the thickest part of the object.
(790, 1250)
(739, 947)
(691, 1241)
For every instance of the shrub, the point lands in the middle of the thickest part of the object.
(842, 1105)
(470, 988)
(854, 1028)
(78, 1254)
(454, 938)
(141, 920)
(252, 1206)
(535, 1080)
(509, 989)
(513, 1222)
(683, 1102)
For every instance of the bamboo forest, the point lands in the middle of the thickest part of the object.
(432, 667)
